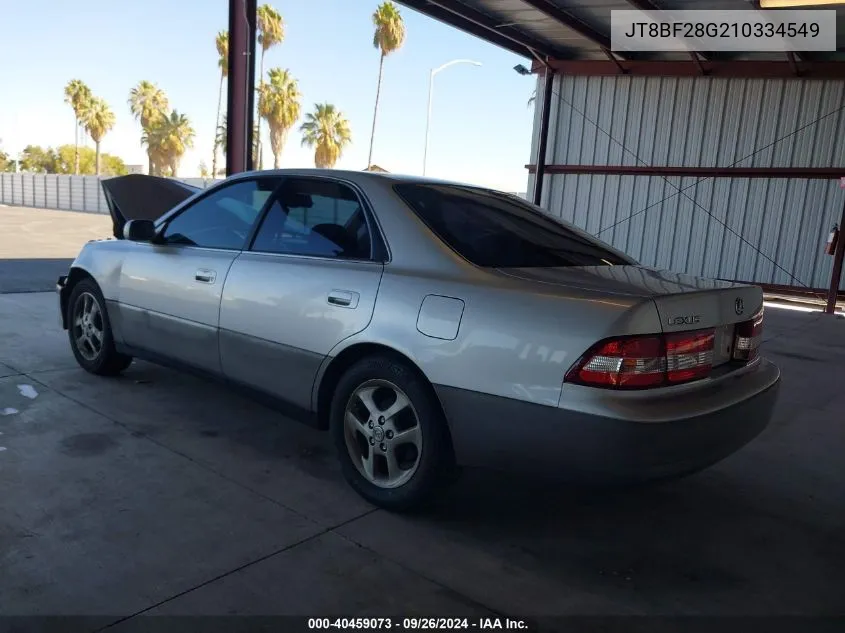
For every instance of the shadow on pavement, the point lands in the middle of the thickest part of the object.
(31, 275)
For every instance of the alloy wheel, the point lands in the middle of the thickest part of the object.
(88, 327)
(382, 433)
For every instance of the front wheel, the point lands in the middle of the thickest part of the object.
(390, 433)
(89, 330)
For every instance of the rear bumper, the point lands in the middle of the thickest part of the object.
(508, 434)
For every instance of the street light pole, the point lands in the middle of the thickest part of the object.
(431, 95)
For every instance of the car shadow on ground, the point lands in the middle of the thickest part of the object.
(31, 275)
(738, 526)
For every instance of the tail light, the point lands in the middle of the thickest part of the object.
(747, 338)
(646, 362)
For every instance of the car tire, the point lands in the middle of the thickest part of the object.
(434, 467)
(91, 340)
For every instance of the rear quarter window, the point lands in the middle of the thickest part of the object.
(496, 230)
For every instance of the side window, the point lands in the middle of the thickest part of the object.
(222, 219)
(315, 217)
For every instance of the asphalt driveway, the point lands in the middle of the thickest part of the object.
(158, 493)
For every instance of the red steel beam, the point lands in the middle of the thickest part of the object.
(812, 173)
(814, 295)
(836, 273)
(652, 68)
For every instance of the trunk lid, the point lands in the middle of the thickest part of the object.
(140, 197)
(684, 302)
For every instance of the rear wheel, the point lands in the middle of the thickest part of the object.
(390, 434)
(89, 331)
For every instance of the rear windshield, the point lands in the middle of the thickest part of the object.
(496, 230)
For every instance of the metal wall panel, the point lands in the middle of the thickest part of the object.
(696, 122)
(51, 185)
(76, 189)
(17, 189)
(711, 229)
(60, 191)
(92, 188)
(64, 184)
(718, 227)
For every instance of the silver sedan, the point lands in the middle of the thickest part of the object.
(427, 325)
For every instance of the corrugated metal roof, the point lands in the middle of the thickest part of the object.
(580, 29)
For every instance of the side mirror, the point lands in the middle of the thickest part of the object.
(140, 231)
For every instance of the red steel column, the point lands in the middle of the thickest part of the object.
(836, 274)
(240, 86)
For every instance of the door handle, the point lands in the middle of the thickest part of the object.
(205, 275)
(344, 298)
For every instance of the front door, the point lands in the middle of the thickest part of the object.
(308, 281)
(170, 291)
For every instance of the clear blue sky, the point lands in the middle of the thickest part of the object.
(481, 125)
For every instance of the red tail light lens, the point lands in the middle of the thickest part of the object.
(689, 355)
(747, 337)
(645, 362)
(624, 363)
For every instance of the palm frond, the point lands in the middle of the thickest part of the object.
(327, 131)
(390, 28)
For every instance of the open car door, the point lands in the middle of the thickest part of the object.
(140, 197)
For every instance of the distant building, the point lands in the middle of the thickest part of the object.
(377, 168)
(136, 169)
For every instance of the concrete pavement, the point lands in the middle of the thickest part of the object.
(38, 245)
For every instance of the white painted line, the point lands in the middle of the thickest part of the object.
(28, 391)
(8, 411)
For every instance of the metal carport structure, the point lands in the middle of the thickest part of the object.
(581, 162)
(568, 43)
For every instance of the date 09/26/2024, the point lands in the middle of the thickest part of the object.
(418, 624)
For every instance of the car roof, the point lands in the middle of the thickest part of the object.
(354, 176)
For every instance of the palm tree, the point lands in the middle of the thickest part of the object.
(327, 131)
(171, 138)
(222, 134)
(279, 105)
(77, 95)
(222, 43)
(153, 138)
(389, 37)
(149, 105)
(98, 120)
(271, 31)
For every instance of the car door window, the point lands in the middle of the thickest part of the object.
(312, 216)
(496, 230)
(223, 219)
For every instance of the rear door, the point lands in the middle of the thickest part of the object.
(308, 281)
(170, 292)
